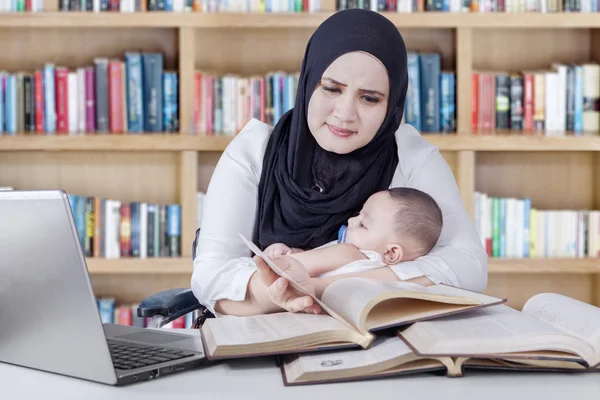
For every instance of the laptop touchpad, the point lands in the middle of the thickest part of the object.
(152, 337)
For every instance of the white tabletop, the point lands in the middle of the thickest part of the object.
(261, 379)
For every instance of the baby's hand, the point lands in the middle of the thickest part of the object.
(277, 249)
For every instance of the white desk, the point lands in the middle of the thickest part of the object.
(260, 379)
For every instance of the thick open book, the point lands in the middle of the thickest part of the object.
(552, 331)
(353, 308)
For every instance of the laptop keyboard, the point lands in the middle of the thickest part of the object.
(130, 356)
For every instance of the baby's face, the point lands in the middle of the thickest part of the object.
(372, 229)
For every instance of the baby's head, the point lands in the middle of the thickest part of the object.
(399, 223)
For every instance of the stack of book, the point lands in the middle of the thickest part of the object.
(223, 104)
(112, 96)
(511, 227)
(371, 328)
(556, 101)
(110, 228)
(203, 6)
(472, 6)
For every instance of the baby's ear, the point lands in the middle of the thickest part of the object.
(393, 254)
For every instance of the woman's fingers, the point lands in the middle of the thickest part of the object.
(282, 295)
(265, 272)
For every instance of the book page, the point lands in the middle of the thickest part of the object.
(571, 316)
(350, 296)
(383, 350)
(231, 330)
(494, 330)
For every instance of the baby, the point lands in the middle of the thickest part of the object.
(398, 224)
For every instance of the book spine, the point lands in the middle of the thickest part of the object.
(412, 114)
(570, 122)
(62, 102)
(539, 102)
(152, 67)
(81, 105)
(578, 100)
(89, 226)
(38, 83)
(90, 100)
(125, 231)
(135, 100)
(29, 103)
(19, 104)
(516, 102)
(49, 99)
(135, 229)
(150, 229)
(2, 101)
(528, 102)
(430, 92)
(115, 81)
(162, 229)
(101, 92)
(447, 104)
(72, 96)
(475, 102)
(174, 229)
(591, 98)
(502, 101)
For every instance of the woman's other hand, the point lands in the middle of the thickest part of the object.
(281, 292)
(276, 250)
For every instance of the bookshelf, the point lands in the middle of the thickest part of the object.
(555, 172)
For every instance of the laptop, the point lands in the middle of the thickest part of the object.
(49, 318)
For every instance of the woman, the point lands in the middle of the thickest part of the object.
(298, 182)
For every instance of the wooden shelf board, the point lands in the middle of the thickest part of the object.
(101, 142)
(515, 141)
(170, 266)
(544, 265)
(136, 266)
(154, 19)
(74, 19)
(175, 142)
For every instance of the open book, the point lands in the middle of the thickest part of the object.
(552, 331)
(353, 308)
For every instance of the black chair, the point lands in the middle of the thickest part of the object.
(168, 305)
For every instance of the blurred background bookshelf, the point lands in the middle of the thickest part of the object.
(556, 169)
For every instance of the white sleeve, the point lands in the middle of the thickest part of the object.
(459, 258)
(223, 263)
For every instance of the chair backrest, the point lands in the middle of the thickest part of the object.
(194, 244)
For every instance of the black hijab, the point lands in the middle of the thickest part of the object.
(290, 209)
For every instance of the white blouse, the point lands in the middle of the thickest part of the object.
(223, 264)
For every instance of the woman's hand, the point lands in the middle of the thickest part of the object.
(276, 250)
(281, 292)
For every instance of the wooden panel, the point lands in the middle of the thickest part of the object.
(76, 48)
(130, 289)
(187, 59)
(207, 161)
(464, 72)
(451, 159)
(508, 50)
(557, 180)
(224, 50)
(518, 289)
(465, 177)
(150, 177)
(188, 168)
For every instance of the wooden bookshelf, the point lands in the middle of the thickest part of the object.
(555, 172)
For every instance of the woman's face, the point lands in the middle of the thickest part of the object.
(350, 103)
